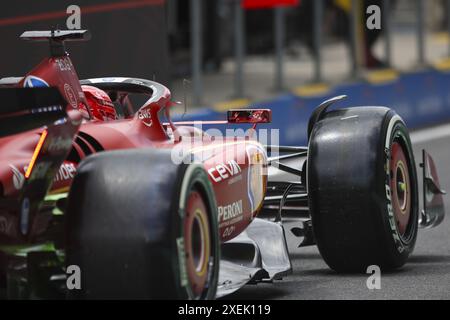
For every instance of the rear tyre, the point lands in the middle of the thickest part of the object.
(362, 186)
(141, 227)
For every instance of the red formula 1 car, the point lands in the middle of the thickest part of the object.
(124, 205)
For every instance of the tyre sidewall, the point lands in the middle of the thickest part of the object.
(399, 247)
(190, 176)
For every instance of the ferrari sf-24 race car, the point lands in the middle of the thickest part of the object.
(97, 190)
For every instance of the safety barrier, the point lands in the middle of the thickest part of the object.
(421, 98)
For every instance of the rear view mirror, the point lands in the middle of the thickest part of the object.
(250, 116)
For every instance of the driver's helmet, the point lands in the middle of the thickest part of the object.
(100, 104)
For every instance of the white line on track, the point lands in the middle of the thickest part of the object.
(425, 135)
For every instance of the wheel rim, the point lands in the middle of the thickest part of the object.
(401, 187)
(197, 242)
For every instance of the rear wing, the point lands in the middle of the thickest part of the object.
(23, 109)
(57, 35)
(56, 38)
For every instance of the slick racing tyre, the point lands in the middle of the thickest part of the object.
(141, 227)
(362, 186)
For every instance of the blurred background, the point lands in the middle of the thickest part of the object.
(282, 54)
(259, 51)
(286, 55)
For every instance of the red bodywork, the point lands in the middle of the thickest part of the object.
(236, 167)
(262, 4)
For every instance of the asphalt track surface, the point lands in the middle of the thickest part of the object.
(425, 276)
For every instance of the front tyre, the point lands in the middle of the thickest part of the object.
(362, 186)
